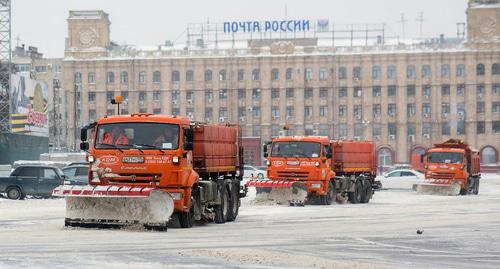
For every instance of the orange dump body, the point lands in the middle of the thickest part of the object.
(354, 157)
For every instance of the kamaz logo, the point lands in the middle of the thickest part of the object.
(133, 177)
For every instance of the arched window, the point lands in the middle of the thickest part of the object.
(342, 73)
(391, 72)
(480, 69)
(495, 69)
(256, 74)
(124, 77)
(156, 77)
(410, 71)
(445, 71)
(222, 75)
(142, 77)
(384, 157)
(356, 73)
(78, 77)
(110, 77)
(376, 72)
(426, 71)
(189, 75)
(460, 70)
(488, 155)
(176, 76)
(91, 78)
(289, 73)
(275, 74)
(208, 75)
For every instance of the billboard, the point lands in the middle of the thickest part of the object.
(29, 106)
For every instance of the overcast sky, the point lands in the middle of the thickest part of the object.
(150, 22)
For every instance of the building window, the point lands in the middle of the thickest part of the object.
(124, 95)
(445, 89)
(480, 69)
(308, 74)
(358, 91)
(111, 112)
(289, 92)
(275, 93)
(391, 110)
(496, 127)
(342, 111)
(343, 131)
(480, 90)
(308, 93)
(410, 110)
(275, 74)
(391, 72)
(480, 127)
(426, 71)
(358, 129)
(323, 74)
(445, 71)
(92, 115)
(460, 70)
(445, 109)
(91, 78)
(176, 76)
(358, 111)
(445, 128)
(222, 75)
(209, 96)
(488, 155)
(377, 110)
(156, 110)
(376, 91)
(392, 129)
(91, 97)
(308, 111)
(256, 74)
(110, 78)
(156, 95)
(223, 94)
(391, 90)
(256, 93)
(323, 111)
(223, 113)
(410, 71)
(410, 90)
(426, 129)
(78, 78)
(242, 113)
(289, 74)
(208, 75)
(242, 93)
(124, 77)
(461, 127)
(324, 129)
(241, 74)
(480, 107)
(142, 77)
(356, 73)
(495, 69)
(190, 97)
(343, 92)
(376, 72)
(256, 111)
(323, 92)
(175, 96)
(426, 109)
(495, 107)
(496, 89)
(189, 75)
(460, 89)
(411, 129)
(289, 112)
(376, 130)
(426, 90)
(342, 73)
(209, 113)
(157, 76)
(256, 131)
(109, 96)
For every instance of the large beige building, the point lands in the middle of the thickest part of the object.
(405, 96)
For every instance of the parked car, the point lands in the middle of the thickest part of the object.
(79, 163)
(36, 180)
(402, 179)
(249, 170)
(76, 174)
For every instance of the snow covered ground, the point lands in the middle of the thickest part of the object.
(458, 232)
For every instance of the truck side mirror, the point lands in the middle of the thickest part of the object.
(188, 139)
(84, 146)
(83, 134)
(264, 150)
(188, 146)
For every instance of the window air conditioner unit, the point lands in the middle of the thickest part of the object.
(357, 138)
(190, 101)
(288, 117)
(460, 113)
(377, 137)
(358, 117)
(411, 138)
(315, 132)
(222, 119)
(242, 119)
(392, 137)
(207, 119)
(426, 96)
(281, 133)
(250, 109)
(209, 100)
(174, 102)
(427, 136)
(49, 66)
(426, 115)
(445, 115)
(343, 138)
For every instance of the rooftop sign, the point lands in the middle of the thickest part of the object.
(266, 26)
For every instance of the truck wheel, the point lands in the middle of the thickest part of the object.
(476, 186)
(221, 211)
(260, 176)
(234, 204)
(14, 193)
(356, 196)
(463, 191)
(330, 196)
(367, 191)
(186, 219)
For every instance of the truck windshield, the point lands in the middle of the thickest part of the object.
(296, 149)
(137, 135)
(444, 157)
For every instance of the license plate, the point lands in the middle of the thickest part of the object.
(133, 159)
(292, 162)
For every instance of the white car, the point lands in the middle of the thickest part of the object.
(249, 170)
(401, 179)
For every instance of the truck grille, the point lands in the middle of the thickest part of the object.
(139, 179)
(293, 174)
(443, 175)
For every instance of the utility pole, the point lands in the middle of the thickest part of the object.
(420, 19)
(402, 21)
(75, 132)
(55, 111)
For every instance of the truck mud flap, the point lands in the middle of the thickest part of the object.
(281, 192)
(98, 206)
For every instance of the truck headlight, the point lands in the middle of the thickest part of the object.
(90, 158)
(268, 163)
(316, 164)
(175, 159)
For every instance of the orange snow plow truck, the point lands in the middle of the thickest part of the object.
(315, 170)
(451, 168)
(144, 168)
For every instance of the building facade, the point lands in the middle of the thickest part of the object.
(405, 97)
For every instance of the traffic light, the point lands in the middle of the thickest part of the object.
(117, 100)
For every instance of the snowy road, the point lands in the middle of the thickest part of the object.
(459, 232)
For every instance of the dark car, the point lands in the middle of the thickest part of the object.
(38, 181)
(76, 174)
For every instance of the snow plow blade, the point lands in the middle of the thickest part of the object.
(450, 189)
(293, 193)
(99, 206)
